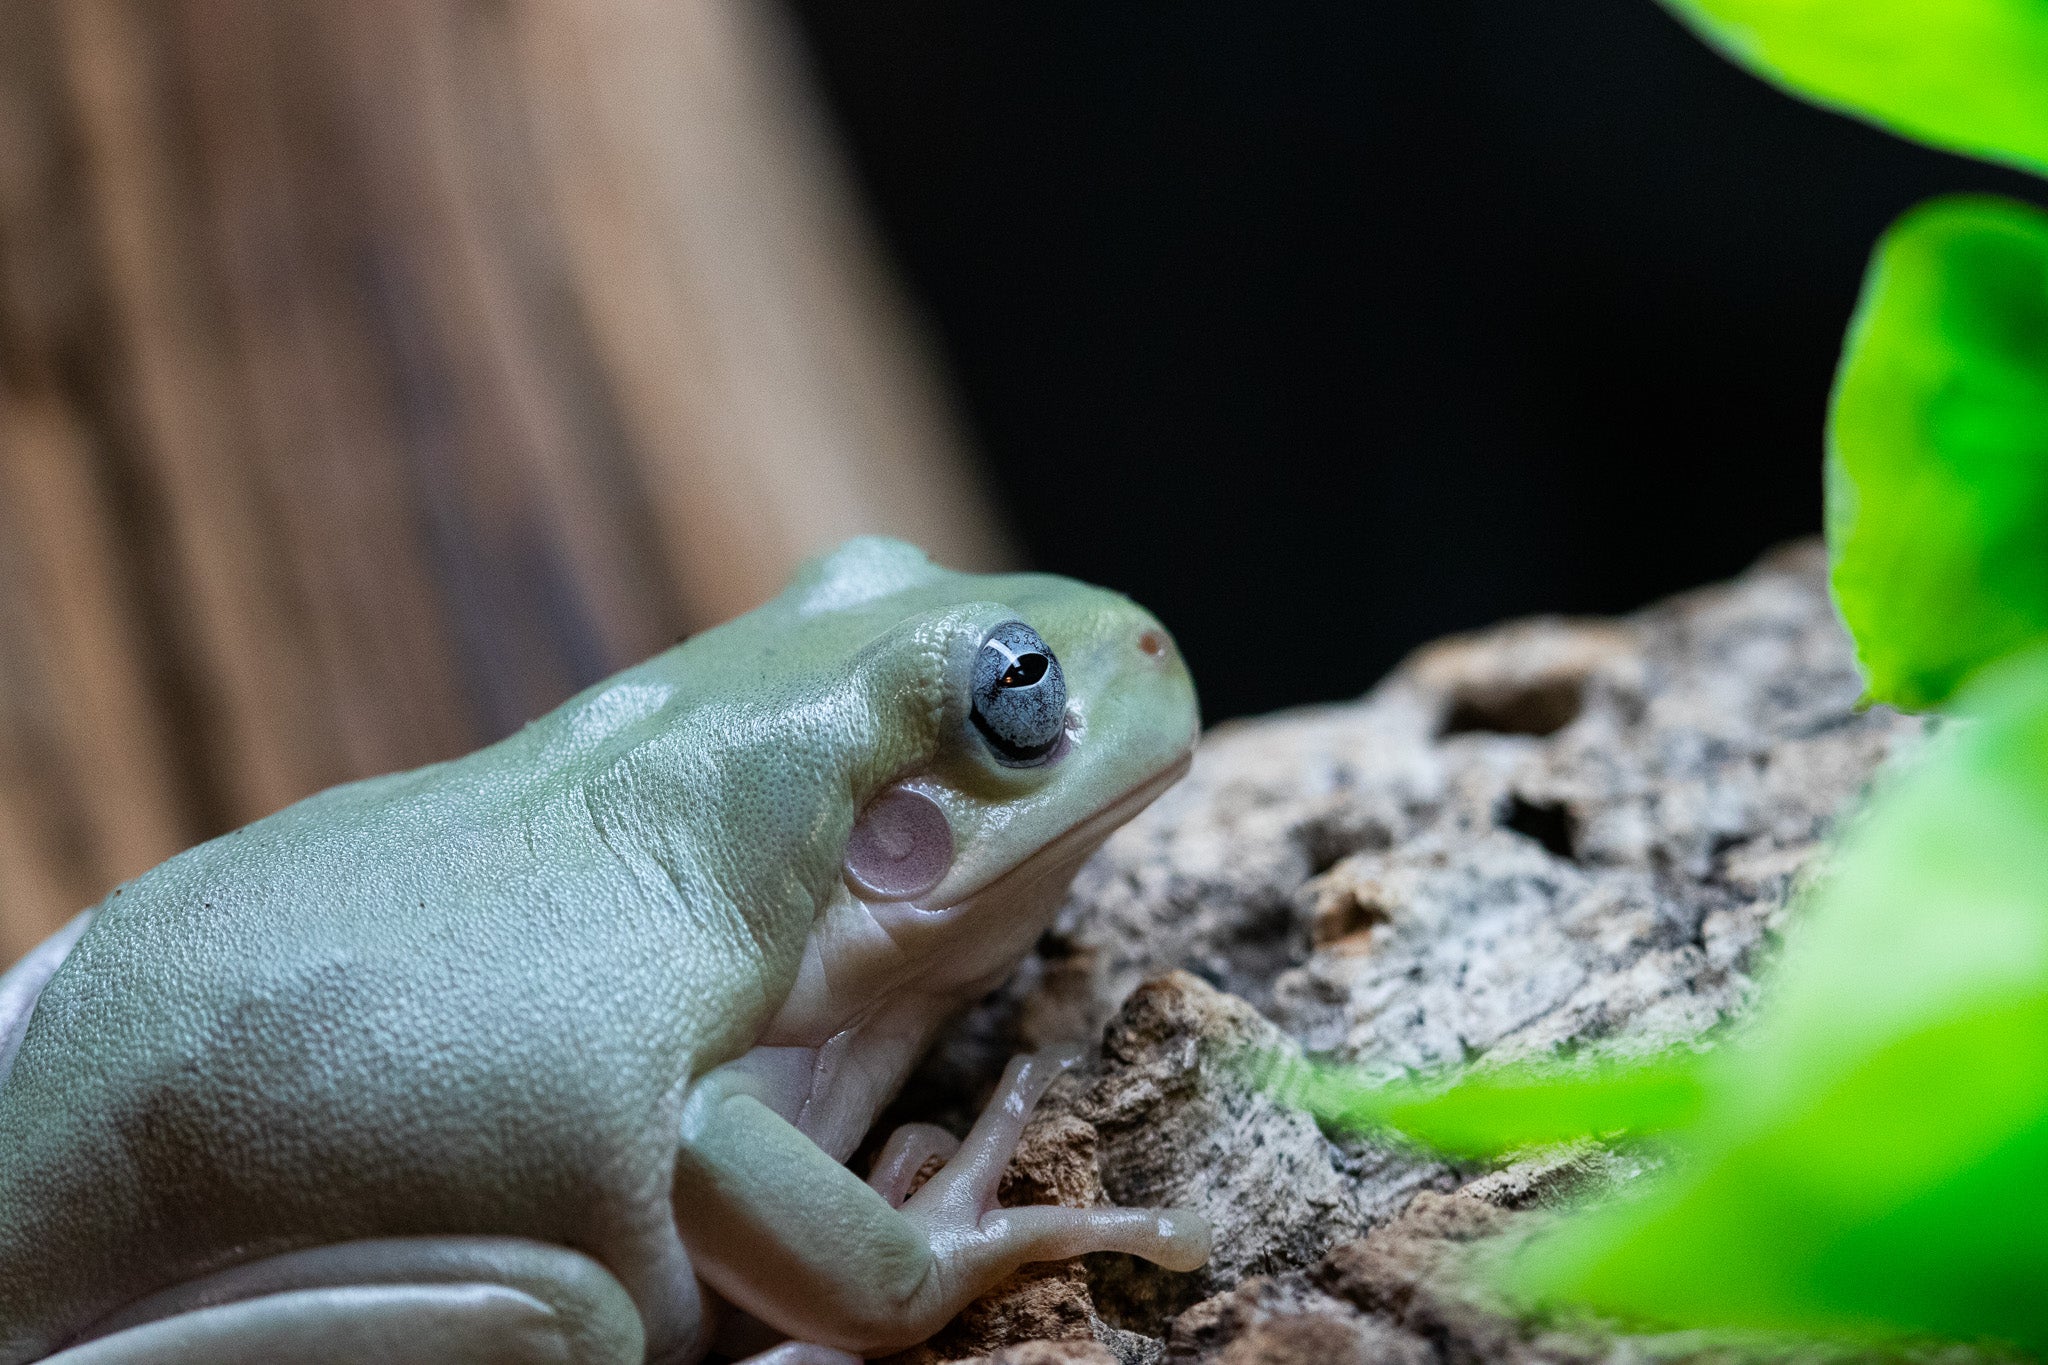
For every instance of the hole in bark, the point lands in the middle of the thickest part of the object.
(1549, 823)
(1340, 913)
(1334, 835)
(1725, 843)
(1540, 708)
(1054, 946)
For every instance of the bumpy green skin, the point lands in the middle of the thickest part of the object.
(472, 998)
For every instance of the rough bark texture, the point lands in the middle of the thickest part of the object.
(373, 375)
(1552, 836)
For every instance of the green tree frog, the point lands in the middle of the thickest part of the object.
(556, 1052)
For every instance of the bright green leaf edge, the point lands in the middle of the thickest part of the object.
(1498, 1110)
(1868, 1164)
(1937, 451)
(1963, 75)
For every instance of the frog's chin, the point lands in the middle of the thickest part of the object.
(1060, 857)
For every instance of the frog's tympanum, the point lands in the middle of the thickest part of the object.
(556, 1052)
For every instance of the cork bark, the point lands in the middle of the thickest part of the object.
(1557, 836)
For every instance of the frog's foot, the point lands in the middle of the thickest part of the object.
(401, 1301)
(975, 1242)
(802, 1353)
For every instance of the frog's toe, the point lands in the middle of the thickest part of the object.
(971, 1176)
(974, 1255)
(977, 1242)
(1175, 1238)
(907, 1154)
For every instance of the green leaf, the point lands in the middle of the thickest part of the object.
(1873, 1161)
(1937, 470)
(1967, 75)
(1495, 1111)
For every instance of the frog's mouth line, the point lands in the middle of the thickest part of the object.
(1072, 846)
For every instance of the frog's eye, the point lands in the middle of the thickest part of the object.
(1020, 695)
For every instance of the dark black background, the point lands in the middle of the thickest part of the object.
(1323, 327)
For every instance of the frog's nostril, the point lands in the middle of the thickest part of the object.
(1153, 644)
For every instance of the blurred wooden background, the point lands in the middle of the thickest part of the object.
(374, 373)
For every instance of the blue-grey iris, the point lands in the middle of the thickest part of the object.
(1020, 695)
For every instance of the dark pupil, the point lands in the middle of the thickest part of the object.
(1028, 669)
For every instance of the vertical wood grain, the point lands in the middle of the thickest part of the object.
(373, 375)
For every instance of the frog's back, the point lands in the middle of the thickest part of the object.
(384, 1011)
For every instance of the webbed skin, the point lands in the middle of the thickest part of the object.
(510, 1058)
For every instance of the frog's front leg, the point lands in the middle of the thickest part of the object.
(401, 1301)
(785, 1232)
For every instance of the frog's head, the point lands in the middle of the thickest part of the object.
(1065, 708)
(996, 729)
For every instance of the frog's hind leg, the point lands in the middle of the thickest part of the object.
(401, 1301)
